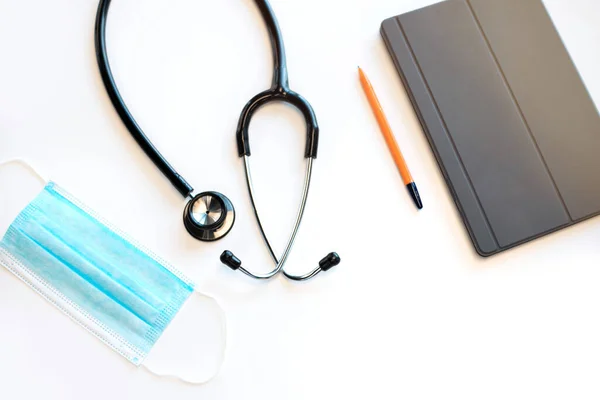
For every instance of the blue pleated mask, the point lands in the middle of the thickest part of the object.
(117, 291)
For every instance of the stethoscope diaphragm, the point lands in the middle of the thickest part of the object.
(209, 216)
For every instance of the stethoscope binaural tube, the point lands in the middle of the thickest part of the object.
(279, 91)
(330, 261)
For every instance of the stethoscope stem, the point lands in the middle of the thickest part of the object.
(280, 74)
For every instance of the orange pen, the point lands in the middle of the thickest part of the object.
(392, 145)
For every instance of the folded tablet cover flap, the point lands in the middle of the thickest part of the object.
(512, 126)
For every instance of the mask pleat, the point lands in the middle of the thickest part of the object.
(91, 278)
(127, 292)
(111, 273)
(122, 258)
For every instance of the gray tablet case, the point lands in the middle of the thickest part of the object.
(507, 115)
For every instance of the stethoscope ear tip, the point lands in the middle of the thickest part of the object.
(330, 261)
(229, 259)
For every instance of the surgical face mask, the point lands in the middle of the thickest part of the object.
(118, 291)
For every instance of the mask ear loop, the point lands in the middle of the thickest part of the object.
(27, 166)
(203, 381)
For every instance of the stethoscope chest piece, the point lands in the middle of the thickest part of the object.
(209, 216)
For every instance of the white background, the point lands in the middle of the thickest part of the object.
(412, 312)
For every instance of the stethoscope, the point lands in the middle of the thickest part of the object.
(209, 216)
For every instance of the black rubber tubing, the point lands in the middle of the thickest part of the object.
(279, 91)
(115, 97)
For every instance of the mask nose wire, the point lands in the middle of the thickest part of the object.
(27, 165)
(280, 262)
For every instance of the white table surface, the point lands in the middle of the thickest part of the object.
(412, 312)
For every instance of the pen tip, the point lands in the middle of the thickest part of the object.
(414, 193)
